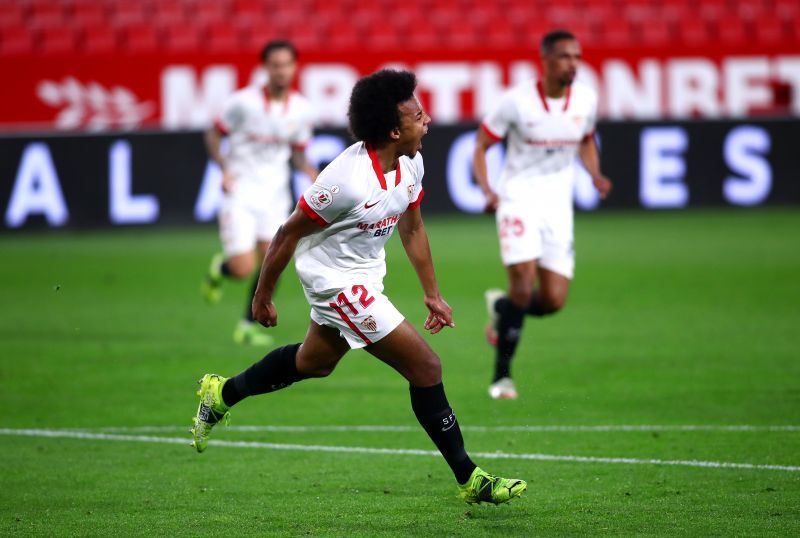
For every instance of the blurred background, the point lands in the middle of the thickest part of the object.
(698, 98)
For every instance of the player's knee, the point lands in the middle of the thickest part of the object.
(521, 296)
(428, 372)
(552, 302)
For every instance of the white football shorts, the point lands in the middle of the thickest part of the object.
(247, 216)
(545, 236)
(361, 313)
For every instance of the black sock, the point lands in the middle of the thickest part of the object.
(225, 269)
(275, 371)
(437, 418)
(509, 328)
(248, 308)
(536, 309)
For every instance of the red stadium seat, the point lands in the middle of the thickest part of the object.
(223, 37)
(141, 39)
(731, 30)
(787, 10)
(654, 32)
(57, 40)
(616, 32)
(18, 40)
(86, 15)
(47, 14)
(124, 14)
(182, 38)
(171, 13)
(305, 37)
(693, 31)
(11, 14)
(99, 40)
(769, 29)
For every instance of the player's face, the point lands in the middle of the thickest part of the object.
(413, 126)
(562, 63)
(281, 67)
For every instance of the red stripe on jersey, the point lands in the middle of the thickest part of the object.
(492, 135)
(350, 323)
(219, 126)
(313, 215)
(540, 90)
(415, 203)
(268, 101)
(543, 97)
(376, 165)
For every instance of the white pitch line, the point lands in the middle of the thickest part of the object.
(390, 451)
(531, 428)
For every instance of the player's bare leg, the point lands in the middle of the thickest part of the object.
(408, 353)
(522, 299)
(247, 330)
(551, 294)
(507, 313)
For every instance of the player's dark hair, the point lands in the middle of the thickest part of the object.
(373, 111)
(551, 38)
(277, 44)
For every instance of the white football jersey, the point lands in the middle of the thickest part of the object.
(543, 137)
(262, 133)
(358, 207)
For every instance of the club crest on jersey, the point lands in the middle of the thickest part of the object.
(321, 198)
(411, 192)
(369, 324)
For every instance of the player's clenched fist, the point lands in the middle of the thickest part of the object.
(264, 312)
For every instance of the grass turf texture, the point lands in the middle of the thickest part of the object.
(673, 319)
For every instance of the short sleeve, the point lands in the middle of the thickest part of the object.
(497, 123)
(418, 170)
(301, 137)
(591, 119)
(325, 200)
(232, 117)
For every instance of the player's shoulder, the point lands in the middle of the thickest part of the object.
(521, 90)
(583, 92)
(415, 164)
(347, 164)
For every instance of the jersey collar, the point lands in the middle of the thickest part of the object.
(543, 97)
(376, 165)
(268, 100)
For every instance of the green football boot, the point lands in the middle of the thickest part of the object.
(483, 487)
(210, 411)
(250, 333)
(211, 288)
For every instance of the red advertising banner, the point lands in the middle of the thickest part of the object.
(187, 91)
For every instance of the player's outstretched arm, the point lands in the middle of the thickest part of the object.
(590, 158)
(281, 249)
(300, 162)
(415, 241)
(480, 171)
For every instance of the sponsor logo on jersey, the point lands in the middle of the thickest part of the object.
(368, 205)
(383, 223)
(369, 324)
(321, 198)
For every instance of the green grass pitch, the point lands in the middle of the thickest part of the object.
(674, 319)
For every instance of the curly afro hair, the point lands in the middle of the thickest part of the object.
(373, 111)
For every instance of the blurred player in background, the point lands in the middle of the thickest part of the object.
(267, 127)
(337, 233)
(546, 124)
